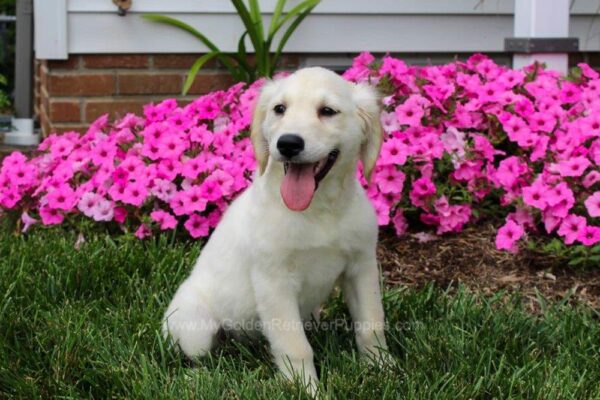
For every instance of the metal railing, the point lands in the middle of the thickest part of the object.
(5, 121)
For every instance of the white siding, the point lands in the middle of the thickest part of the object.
(336, 26)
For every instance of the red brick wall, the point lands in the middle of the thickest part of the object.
(72, 93)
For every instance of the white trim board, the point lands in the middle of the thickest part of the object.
(494, 7)
(325, 7)
(50, 29)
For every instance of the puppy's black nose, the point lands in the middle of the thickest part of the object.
(290, 145)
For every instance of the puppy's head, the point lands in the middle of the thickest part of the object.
(316, 124)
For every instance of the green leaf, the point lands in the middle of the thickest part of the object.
(242, 58)
(257, 18)
(576, 261)
(193, 31)
(289, 32)
(300, 8)
(242, 45)
(276, 15)
(163, 19)
(244, 68)
(194, 70)
(576, 73)
(249, 24)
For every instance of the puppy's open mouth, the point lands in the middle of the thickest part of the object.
(301, 180)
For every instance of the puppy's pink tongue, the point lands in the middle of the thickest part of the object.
(298, 186)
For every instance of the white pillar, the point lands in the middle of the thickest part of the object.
(22, 133)
(542, 19)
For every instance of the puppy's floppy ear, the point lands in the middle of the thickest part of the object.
(367, 100)
(259, 142)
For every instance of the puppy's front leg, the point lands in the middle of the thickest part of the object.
(363, 296)
(282, 325)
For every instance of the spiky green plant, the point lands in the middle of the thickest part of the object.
(238, 64)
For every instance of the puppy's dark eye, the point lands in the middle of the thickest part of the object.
(279, 109)
(327, 112)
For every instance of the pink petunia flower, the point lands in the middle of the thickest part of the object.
(508, 236)
(591, 179)
(400, 223)
(51, 216)
(103, 210)
(535, 195)
(22, 175)
(135, 193)
(393, 152)
(224, 179)
(592, 203)
(194, 199)
(574, 166)
(590, 235)
(142, 232)
(197, 226)
(120, 214)
(133, 165)
(489, 92)
(454, 142)
(61, 147)
(103, 152)
(509, 170)
(117, 191)
(163, 189)
(9, 198)
(120, 176)
(28, 221)
(541, 121)
(571, 227)
(390, 180)
(62, 198)
(193, 167)
(410, 113)
(178, 203)
(389, 122)
(422, 188)
(164, 219)
(551, 221)
(201, 135)
(88, 202)
(151, 149)
(522, 217)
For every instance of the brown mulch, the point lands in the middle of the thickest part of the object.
(471, 259)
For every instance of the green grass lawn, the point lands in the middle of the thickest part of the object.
(85, 324)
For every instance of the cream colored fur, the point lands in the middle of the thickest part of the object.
(265, 263)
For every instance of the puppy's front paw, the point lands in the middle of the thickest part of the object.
(312, 388)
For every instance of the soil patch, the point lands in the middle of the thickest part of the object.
(471, 258)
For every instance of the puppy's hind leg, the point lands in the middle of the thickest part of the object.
(189, 323)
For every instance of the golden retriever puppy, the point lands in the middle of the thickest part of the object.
(304, 224)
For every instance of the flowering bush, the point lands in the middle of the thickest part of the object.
(176, 164)
(462, 141)
(468, 133)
